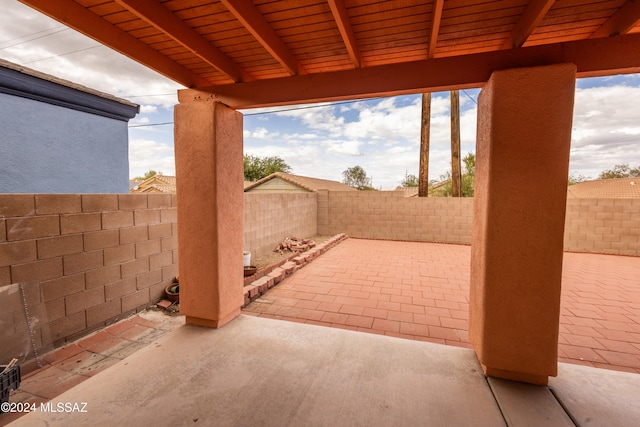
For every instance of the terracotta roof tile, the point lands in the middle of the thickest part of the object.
(621, 188)
(310, 184)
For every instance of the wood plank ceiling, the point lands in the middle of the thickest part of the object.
(233, 48)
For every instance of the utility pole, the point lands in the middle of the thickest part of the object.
(456, 173)
(425, 125)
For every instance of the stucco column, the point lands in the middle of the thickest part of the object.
(209, 170)
(522, 161)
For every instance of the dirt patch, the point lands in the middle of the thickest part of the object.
(274, 257)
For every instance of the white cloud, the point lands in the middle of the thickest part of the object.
(145, 155)
(606, 128)
(144, 109)
(381, 135)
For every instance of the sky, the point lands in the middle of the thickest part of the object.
(381, 135)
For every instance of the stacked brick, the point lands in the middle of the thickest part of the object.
(268, 277)
(87, 259)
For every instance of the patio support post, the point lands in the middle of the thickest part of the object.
(209, 169)
(522, 160)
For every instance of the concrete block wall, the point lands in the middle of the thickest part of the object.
(390, 215)
(609, 226)
(603, 225)
(87, 259)
(271, 217)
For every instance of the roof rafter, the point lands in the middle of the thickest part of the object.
(251, 18)
(164, 20)
(592, 57)
(91, 25)
(341, 17)
(438, 5)
(620, 22)
(533, 14)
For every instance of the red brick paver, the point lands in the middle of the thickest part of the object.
(420, 291)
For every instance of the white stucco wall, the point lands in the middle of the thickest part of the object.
(46, 148)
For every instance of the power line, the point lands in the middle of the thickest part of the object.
(62, 54)
(143, 96)
(469, 96)
(150, 124)
(32, 34)
(306, 107)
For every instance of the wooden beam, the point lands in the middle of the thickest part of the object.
(620, 22)
(425, 140)
(592, 57)
(341, 17)
(533, 14)
(438, 5)
(91, 25)
(251, 18)
(164, 20)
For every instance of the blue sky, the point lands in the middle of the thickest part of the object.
(380, 135)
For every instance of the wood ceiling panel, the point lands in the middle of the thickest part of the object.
(299, 12)
(383, 31)
(512, 13)
(321, 37)
(143, 32)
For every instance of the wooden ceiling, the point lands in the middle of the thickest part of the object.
(250, 53)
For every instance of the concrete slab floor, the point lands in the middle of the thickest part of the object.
(420, 291)
(65, 367)
(264, 372)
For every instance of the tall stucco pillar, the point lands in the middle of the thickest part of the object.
(209, 170)
(522, 160)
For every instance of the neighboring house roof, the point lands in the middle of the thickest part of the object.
(620, 188)
(27, 83)
(156, 184)
(302, 182)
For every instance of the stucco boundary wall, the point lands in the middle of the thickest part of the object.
(610, 226)
(87, 259)
(271, 217)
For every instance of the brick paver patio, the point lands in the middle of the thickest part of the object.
(420, 291)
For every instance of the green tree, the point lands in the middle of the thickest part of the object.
(574, 179)
(147, 175)
(468, 177)
(356, 177)
(620, 171)
(410, 180)
(256, 167)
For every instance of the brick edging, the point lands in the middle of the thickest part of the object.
(268, 277)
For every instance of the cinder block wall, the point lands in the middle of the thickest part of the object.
(390, 215)
(603, 225)
(87, 259)
(592, 225)
(270, 217)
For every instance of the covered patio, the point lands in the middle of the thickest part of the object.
(235, 54)
(420, 291)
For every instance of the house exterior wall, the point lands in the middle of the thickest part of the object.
(271, 217)
(277, 185)
(51, 149)
(84, 261)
